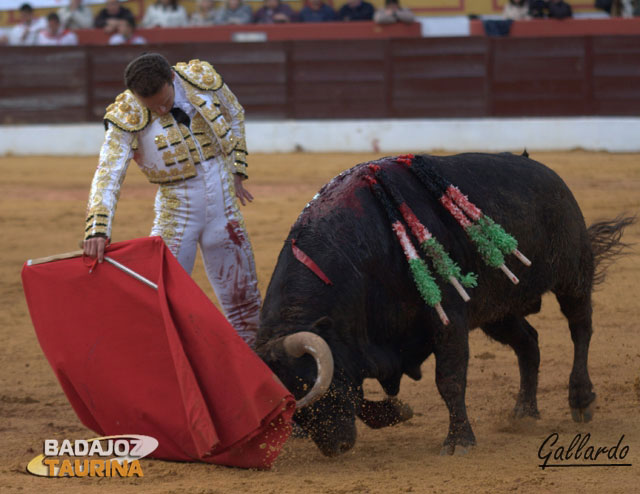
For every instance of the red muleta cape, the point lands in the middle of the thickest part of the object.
(165, 363)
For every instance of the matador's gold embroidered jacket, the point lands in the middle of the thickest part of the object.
(165, 150)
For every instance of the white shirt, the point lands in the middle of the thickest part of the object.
(180, 99)
(21, 34)
(64, 37)
(158, 15)
(81, 18)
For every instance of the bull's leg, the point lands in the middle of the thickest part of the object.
(452, 360)
(523, 338)
(578, 311)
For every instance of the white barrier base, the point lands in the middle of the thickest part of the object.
(613, 134)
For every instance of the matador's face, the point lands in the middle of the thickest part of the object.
(161, 102)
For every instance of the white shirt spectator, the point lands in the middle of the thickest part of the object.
(164, 14)
(76, 16)
(26, 34)
(54, 34)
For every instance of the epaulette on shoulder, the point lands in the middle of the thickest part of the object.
(200, 74)
(127, 113)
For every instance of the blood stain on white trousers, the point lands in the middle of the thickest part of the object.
(204, 211)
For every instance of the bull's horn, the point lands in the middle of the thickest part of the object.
(296, 345)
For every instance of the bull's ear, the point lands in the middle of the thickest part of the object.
(323, 324)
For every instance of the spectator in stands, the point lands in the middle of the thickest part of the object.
(234, 12)
(274, 11)
(356, 10)
(26, 32)
(629, 8)
(317, 11)
(109, 17)
(205, 14)
(604, 5)
(126, 34)
(54, 34)
(538, 8)
(559, 9)
(392, 13)
(165, 13)
(553, 9)
(619, 8)
(516, 10)
(75, 16)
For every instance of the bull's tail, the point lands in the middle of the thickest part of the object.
(606, 243)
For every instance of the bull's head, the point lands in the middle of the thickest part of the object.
(327, 401)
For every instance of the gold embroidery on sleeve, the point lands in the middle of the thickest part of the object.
(105, 188)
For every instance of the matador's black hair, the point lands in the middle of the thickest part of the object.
(147, 74)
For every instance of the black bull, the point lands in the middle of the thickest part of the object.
(373, 319)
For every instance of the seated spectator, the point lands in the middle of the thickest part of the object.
(234, 12)
(559, 9)
(356, 10)
(317, 11)
(538, 8)
(165, 13)
(205, 14)
(627, 8)
(392, 13)
(274, 11)
(75, 16)
(54, 34)
(516, 10)
(126, 34)
(554, 9)
(619, 8)
(26, 32)
(109, 17)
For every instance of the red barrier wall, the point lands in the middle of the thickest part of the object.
(263, 32)
(461, 77)
(539, 28)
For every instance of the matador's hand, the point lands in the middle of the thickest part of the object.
(241, 193)
(94, 247)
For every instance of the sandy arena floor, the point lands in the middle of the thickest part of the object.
(42, 211)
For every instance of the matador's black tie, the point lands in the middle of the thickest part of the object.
(180, 116)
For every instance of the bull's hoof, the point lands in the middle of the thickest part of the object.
(459, 443)
(455, 450)
(379, 414)
(583, 414)
(525, 411)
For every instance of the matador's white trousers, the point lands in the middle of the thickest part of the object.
(204, 210)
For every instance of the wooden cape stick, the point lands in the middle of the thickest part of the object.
(78, 253)
(55, 257)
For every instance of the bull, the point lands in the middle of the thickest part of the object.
(359, 311)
